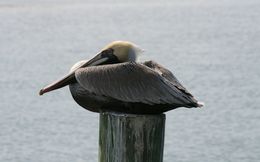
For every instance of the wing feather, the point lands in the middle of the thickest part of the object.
(168, 75)
(131, 82)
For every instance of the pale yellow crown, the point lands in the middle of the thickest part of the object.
(124, 51)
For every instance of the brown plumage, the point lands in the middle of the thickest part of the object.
(113, 81)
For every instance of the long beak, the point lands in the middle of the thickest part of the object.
(70, 78)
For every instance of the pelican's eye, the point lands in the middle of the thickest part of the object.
(107, 52)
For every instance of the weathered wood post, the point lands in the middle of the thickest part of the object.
(131, 138)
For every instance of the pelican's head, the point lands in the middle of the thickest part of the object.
(115, 52)
(123, 50)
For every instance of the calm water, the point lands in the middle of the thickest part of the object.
(211, 46)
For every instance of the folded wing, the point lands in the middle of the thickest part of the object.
(133, 82)
(167, 74)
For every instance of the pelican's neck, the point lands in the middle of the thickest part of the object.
(132, 55)
(78, 64)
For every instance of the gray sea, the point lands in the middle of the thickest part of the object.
(212, 46)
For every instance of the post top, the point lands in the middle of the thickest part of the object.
(117, 114)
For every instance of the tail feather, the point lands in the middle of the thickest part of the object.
(200, 104)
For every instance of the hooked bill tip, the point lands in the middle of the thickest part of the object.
(41, 92)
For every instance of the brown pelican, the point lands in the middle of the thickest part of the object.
(114, 81)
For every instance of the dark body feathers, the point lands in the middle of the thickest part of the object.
(139, 88)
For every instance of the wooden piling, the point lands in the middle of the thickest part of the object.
(131, 138)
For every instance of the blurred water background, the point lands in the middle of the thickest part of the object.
(213, 47)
